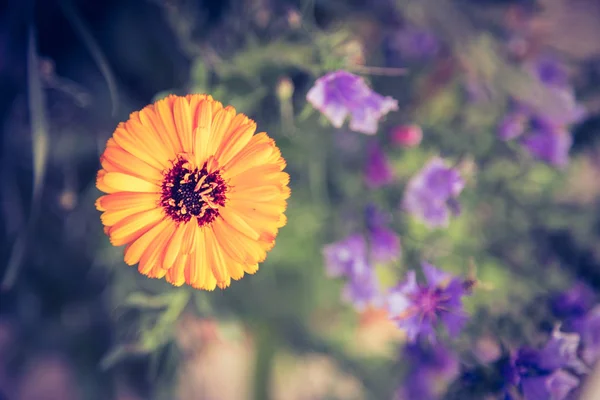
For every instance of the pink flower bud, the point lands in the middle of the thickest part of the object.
(406, 135)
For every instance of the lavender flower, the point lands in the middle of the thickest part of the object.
(555, 386)
(561, 352)
(363, 290)
(431, 195)
(419, 308)
(414, 43)
(378, 171)
(550, 145)
(384, 243)
(545, 373)
(549, 70)
(574, 302)
(340, 93)
(346, 257)
(432, 368)
(588, 327)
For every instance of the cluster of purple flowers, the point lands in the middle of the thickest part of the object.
(422, 307)
(545, 134)
(356, 256)
(418, 308)
(557, 369)
(431, 196)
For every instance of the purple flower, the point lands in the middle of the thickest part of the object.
(555, 386)
(588, 327)
(419, 308)
(547, 373)
(550, 71)
(568, 111)
(384, 243)
(544, 136)
(561, 352)
(346, 257)
(544, 128)
(340, 93)
(378, 171)
(431, 194)
(414, 43)
(432, 368)
(363, 290)
(574, 302)
(551, 146)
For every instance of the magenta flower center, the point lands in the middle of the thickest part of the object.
(428, 301)
(188, 191)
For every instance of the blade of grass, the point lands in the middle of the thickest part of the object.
(97, 54)
(39, 133)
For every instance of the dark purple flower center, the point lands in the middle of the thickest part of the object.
(428, 301)
(188, 191)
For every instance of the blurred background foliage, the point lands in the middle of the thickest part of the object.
(76, 323)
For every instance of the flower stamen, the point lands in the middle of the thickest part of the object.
(189, 191)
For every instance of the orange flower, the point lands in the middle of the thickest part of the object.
(193, 193)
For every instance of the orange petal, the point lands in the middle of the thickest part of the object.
(111, 217)
(250, 269)
(173, 248)
(220, 124)
(230, 215)
(261, 175)
(176, 274)
(183, 122)
(195, 101)
(209, 282)
(150, 118)
(124, 200)
(189, 240)
(152, 256)
(202, 132)
(216, 258)
(129, 164)
(103, 187)
(235, 270)
(260, 145)
(235, 141)
(136, 147)
(164, 111)
(199, 274)
(258, 193)
(129, 183)
(150, 140)
(132, 227)
(193, 271)
(238, 247)
(135, 250)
